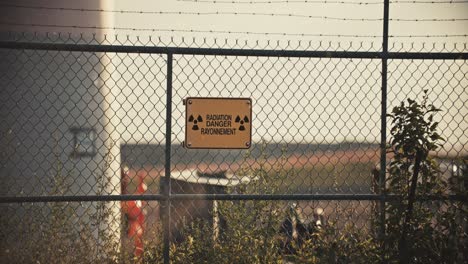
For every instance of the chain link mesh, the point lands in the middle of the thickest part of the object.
(93, 123)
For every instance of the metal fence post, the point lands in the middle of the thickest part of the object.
(383, 139)
(167, 177)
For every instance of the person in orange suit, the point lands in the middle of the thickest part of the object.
(135, 213)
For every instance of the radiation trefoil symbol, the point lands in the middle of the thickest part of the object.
(242, 122)
(195, 121)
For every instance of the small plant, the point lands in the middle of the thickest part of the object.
(337, 245)
(251, 231)
(415, 232)
(67, 232)
(255, 232)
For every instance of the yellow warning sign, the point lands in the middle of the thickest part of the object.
(218, 123)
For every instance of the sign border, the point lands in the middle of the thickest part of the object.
(217, 98)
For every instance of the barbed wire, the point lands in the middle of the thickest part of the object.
(226, 31)
(427, 2)
(322, 2)
(189, 30)
(189, 13)
(235, 13)
(283, 2)
(427, 19)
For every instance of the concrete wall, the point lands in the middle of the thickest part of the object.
(46, 98)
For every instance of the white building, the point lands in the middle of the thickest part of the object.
(58, 130)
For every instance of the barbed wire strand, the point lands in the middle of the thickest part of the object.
(427, 2)
(282, 2)
(187, 30)
(189, 13)
(227, 31)
(235, 13)
(322, 2)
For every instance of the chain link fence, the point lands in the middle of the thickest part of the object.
(93, 165)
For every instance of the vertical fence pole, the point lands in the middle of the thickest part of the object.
(383, 139)
(167, 166)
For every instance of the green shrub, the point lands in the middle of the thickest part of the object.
(418, 231)
(253, 232)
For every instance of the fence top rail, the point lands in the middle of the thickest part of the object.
(233, 52)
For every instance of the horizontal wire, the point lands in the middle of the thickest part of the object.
(323, 2)
(282, 2)
(428, 2)
(429, 36)
(213, 196)
(187, 13)
(229, 32)
(427, 19)
(190, 30)
(235, 13)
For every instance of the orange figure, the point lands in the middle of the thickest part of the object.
(135, 213)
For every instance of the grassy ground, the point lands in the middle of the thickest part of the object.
(341, 178)
(319, 178)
